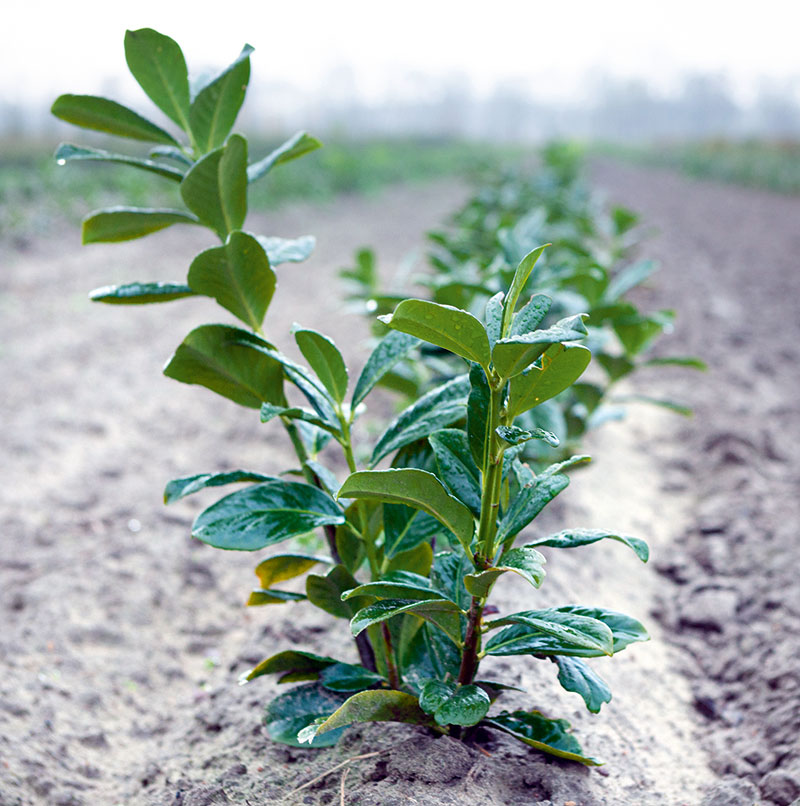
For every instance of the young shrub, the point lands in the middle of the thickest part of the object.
(413, 550)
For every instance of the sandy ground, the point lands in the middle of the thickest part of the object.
(122, 638)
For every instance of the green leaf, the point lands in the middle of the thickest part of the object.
(447, 327)
(298, 708)
(417, 560)
(405, 528)
(568, 630)
(414, 488)
(325, 359)
(265, 514)
(446, 615)
(438, 408)
(281, 567)
(287, 250)
(677, 361)
(521, 275)
(228, 361)
(326, 592)
(511, 435)
(289, 661)
(238, 276)
(215, 187)
(447, 576)
(664, 403)
(270, 412)
(548, 735)
(494, 318)
(450, 704)
(157, 63)
(616, 366)
(70, 153)
(625, 629)
(576, 675)
(526, 562)
(390, 350)
(213, 111)
(140, 293)
(115, 224)
(629, 278)
(180, 488)
(478, 414)
(514, 354)
(171, 153)
(530, 316)
(456, 467)
(637, 332)
(402, 585)
(103, 115)
(572, 538)
(562, 365)
(272, 596)
(296, 146)
(348, 677)
(373, 706)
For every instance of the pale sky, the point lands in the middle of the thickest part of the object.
(555, 48)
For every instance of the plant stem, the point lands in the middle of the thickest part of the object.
(472, 640)
(391, 665)
(365, 652)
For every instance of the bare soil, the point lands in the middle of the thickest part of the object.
(122, 639)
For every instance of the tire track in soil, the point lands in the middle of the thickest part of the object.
(107, 693)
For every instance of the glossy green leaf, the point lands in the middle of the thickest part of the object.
(478, 414)
(270, 412)
(511, 435)
(215, 187)
(70, 153)
(637, 332)
(115, 224)
(625, 629)
(228, 361)
(374, 706)
(402, 586)
(524, 561)
(572, 538)
(238, 276)
(405, 528)
(281, 567)
(265, 514)
(171, 153)
(288, 661)
(425, 652)
(446, 615)
(104, 115)
(325, 359)
(514, 354)
(140, 293)
(300, 707)
(415, 488)
(296, 146)
(391, 349)
(565, 631)
(437, 409)
(450, 704)
(494, 318)
(447, 327)
(576, 675)
(562, 365)
(213, 111)
(348, 677)
(447, 576)
(325, 592)
(521, 275)
(264, 596)
(456, 467)
(530, 316)
(417, 560)
(548, 735)
(287, 250)
(187, 485)
(157, 63)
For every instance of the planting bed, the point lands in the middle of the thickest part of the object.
(122, 638)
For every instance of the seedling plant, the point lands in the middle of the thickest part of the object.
(419, 534)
